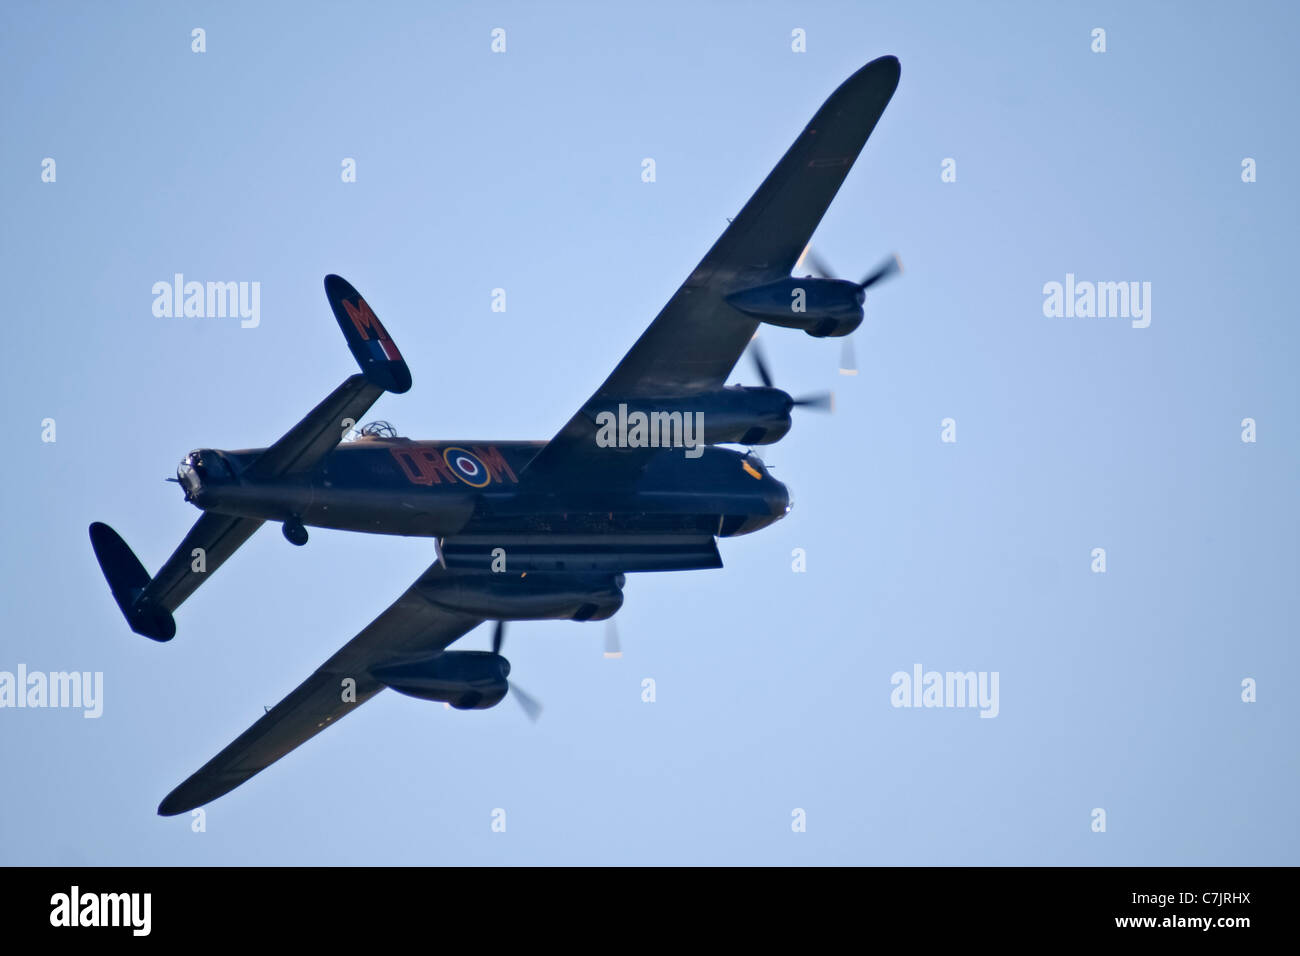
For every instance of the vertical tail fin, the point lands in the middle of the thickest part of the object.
(128, 579)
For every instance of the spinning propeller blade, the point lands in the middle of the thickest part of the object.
(531, 705)
(891, 266)
(760, 361)
(819, 266)
(817, 401)
(848, 361)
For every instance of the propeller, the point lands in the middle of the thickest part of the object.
(891, 266)
(612, 646)
(848, 361)
(817, 401)
(532, 707)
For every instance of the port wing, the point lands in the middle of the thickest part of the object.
(412, 627)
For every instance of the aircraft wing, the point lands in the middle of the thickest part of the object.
(696, 340)
(412, 627)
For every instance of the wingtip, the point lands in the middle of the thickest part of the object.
(184, 798)
(883, 66)
(873, 84)
(202, 787)
(174, 804)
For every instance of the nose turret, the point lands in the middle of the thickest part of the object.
(190, 475)
(201, 469)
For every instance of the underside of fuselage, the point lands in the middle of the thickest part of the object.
(443, 489)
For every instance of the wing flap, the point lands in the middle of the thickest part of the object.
(582, 552)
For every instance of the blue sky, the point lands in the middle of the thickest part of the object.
(521, 171)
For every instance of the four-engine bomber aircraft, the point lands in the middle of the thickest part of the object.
(525, 530)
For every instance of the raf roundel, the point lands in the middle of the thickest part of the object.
(467, 467)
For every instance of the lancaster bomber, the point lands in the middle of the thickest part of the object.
(527, 530)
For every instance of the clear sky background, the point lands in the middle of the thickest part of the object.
(522, 170)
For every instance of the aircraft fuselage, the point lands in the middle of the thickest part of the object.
(441, 488)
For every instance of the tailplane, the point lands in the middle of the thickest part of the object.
(148, 602)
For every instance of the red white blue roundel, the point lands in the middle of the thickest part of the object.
(467, 467)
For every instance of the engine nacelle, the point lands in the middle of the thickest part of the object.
(821, 307)
(739, 414)
(540, 596)
(468, 680)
